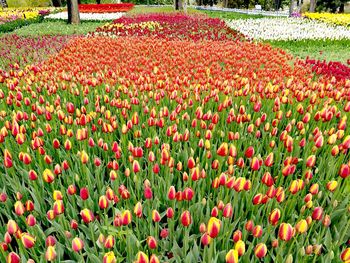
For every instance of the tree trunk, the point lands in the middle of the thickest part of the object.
(73, 12)
(4, 3)
(291, 7)
(312, 6)
(178, 5)
(56, 3)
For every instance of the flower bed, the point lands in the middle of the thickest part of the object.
(337, 19)
(170, 26)
(168, 149)
(288, 29)
(87, 16)
(332, 68)
(105, 8)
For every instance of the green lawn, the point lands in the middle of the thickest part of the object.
(229, 15)
(161, 9)
(57, 28)
(332, 50)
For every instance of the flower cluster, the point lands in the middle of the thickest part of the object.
(87, 16)
(18, 51)
(332, 68)
(337, 19)
(288, 29)
(105, 8)
(172, 26)
(146, 149)
(12, 14)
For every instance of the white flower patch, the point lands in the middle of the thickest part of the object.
(288, 29)
(88, 16)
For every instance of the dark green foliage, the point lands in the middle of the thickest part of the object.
(11, 26)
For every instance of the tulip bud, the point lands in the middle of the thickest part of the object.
(240, 247)
(151, 242)
(28, 240)
(13, 258)
(77, 244)
(214, 225)
(232, 256)
(141, 258)
(274, 216)
(154, 259)
(109, 242)
(345, 255)
(237, 235)
(260, 250)
(109, 257)
(50, 254)
(87, 215)
(285, 232)
(186, 218)
(301, 227)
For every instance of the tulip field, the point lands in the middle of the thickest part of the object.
(171, 138)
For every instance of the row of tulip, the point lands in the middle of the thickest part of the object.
(288, 29)
(331, 68)
(87, 16)
(13, 14)
(165, 149)
(337, 19)
(169, 26)
(105, 8)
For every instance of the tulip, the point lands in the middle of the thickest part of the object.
(260, 250)
(274, 216)
(87, 215)
(50, 254)
(214, 225)
(84, 193)
(84, 157)
(155, 216)
(141, 258)
(48, 176)
(126, 217)
(12, 227)
(109, 257)
(103, 202)
(77, 244)
(109, 242)
(301, 227)
(154, 259)
(58, 207)
(285, 232)
(317, 214)
(151, 242)
(223, 149)
(237, 235)
(345, 255)
(240, 247)
(232, 256)
(50, 241)
(13, 258)
(186, 218)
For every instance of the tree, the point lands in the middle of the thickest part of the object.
(73, 12)
(312, 6)
(178, 4)
(56, 3)
(3, 3)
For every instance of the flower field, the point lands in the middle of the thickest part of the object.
(13, 14)
(171, 138)
(105, 8)
(337, 19)
(288, 29)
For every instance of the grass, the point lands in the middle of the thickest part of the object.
(57, 28)
(158, 9)
(331, 50)
(229, 15)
